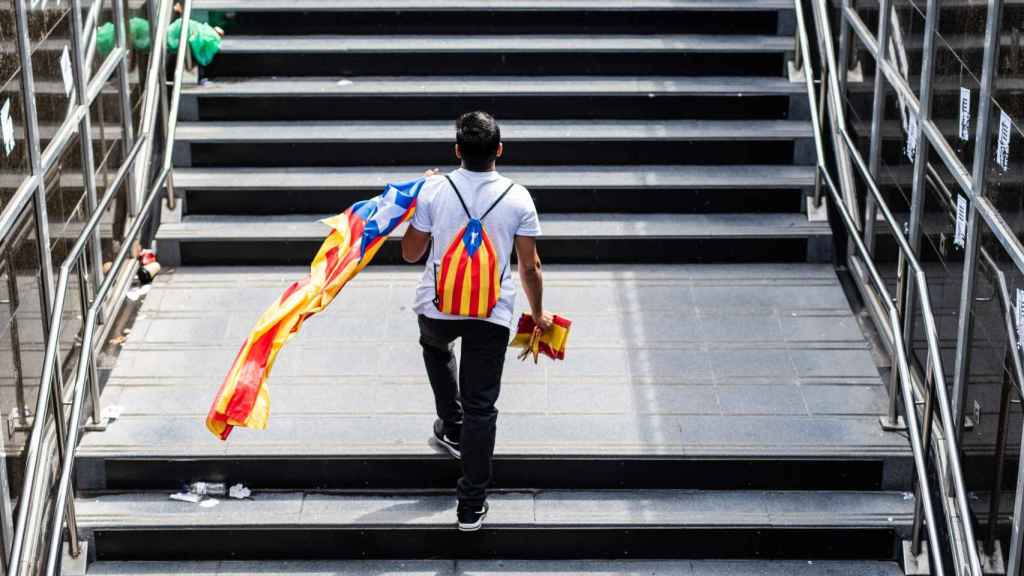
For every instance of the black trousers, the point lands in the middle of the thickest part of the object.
(467, 394)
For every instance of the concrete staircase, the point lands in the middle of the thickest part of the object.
(717, 413)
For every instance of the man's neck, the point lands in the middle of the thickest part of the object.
(490, 168)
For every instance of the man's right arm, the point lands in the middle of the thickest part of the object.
(532, 279)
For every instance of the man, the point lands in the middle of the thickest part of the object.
(465, 396)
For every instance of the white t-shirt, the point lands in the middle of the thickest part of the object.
(439, 213)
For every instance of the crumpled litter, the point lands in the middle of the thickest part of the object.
(112, 412)
(239, 492)
(200, 492)
(187, 497)
(137, 292)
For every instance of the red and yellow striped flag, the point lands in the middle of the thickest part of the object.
(355, 237)
(534, 342)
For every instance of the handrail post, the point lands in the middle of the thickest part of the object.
(93, 378)
(79, 73)
(929, 405)
(877, 112)
(892, 422)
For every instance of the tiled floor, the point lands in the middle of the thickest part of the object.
(674, 359)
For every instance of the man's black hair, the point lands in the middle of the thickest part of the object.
(478, 137)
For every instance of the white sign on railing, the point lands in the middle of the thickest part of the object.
(912, 138)
(960, 236)
(965, 114)
(7, 128)
(1003, 144)
(1020, 318)
(65, 71)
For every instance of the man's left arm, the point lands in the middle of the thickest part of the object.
(417, 236)
(414, 244)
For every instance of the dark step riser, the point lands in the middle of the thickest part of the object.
(509, 473)
(504, 22)
(554, 251)
(447, 107)
(494, 542)
(520, 153)
(234, 65)
(682, 201)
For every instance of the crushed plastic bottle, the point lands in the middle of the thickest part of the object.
(208, 488)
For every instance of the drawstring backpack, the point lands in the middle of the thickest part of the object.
(468, 283)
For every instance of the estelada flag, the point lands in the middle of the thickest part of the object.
(551, 343)
(468, 283)
(356, 235)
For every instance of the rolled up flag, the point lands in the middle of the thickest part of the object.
(533, 342)
(356, 235)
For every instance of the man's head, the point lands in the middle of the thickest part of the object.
(477, 141)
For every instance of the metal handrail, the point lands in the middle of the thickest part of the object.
(935, 378)
(63, 510)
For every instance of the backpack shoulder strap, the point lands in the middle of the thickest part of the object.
(500, 198)
(461, 201)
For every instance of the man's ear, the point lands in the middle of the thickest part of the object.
(458, 153)
(501, 148)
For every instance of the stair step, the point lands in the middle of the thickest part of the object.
(445, 97)
(504, 568)
(554, 142)
(574, 131)
(635, 238)
(456, 17)
(480, 55)
(489, 86)
(505, 44)
(551, 524)
(491, 5)
(372, 179)
(570, 188)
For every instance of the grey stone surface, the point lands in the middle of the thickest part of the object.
(503, 568)
(655, 365)
(511, 130)
(685, 508)
(303, 227)
(475, 44)
(646, 177)
(493, 5)
(504, 85)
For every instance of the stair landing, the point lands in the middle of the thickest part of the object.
(751, 361)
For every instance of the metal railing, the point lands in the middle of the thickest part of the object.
(86, 382)
(959, 532)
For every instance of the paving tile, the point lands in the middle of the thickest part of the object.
(834, 364)
(406, 510)
(740, 328)
(812, 328)
(594, 431)
(827, 399)
(590, 399)
(733, 365)
(761, 399)
(669, 365)
(770, 296)
(583, 363)
(770, 433)
(650, 507)
(675, 399)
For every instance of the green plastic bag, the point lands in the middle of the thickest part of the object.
(138, 30)
(105, 38)
(202, 38)
(138, 35)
